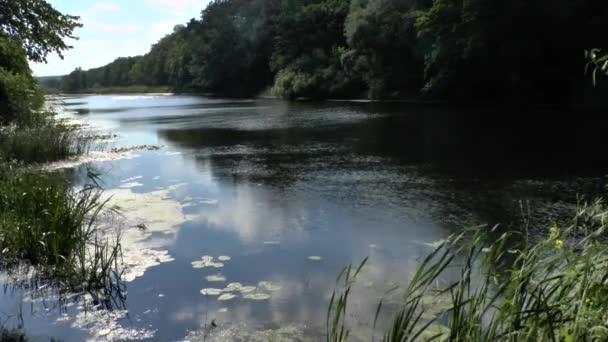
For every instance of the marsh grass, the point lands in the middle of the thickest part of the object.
(47, 224)
(508, 289)
(50, 141)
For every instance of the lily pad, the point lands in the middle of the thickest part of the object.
(257, 296)
(216, 278)
(247, 289)
(226, 296)
(233, 287)
(205, 262)
(268, 286)
(211, 292)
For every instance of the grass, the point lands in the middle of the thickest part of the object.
(508, 289)
(44, 222)
(50, 141)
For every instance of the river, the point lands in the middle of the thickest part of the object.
(283, 196)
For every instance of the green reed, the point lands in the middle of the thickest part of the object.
(46, 223)
(49, 141)
(507, 289)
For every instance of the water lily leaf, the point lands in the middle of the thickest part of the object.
(257, 296)
(216, 278)
(247, 289)
(226, 296)
(268, 286)
(211, 292)
(233, 287)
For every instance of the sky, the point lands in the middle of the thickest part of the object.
(116, 28)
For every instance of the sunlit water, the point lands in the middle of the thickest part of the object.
(282, 196)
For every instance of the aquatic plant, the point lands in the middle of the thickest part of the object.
(508, 289)
(52, 140)
(47, 224)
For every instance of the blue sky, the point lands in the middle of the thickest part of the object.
(115, 28)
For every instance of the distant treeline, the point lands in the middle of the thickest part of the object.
(517, 50)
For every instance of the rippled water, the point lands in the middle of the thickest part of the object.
(252, 207)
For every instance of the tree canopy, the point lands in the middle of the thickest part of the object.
(482, 50)
(29, 29)
(39, 27)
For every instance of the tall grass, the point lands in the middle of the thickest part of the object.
(50, 141)
(508, 289)
(45, 223)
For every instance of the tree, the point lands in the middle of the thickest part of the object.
(28, 29)
(382, 42)
(39, 27)
(308, 44)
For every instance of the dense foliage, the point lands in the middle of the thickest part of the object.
(29, 29)
(448, 49)
(39, 27)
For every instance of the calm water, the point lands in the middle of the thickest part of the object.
(291, 192)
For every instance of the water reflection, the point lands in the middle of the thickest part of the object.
(272, 184)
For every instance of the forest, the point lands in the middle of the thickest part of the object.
(480, 50)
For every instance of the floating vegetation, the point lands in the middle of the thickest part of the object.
(136, 262)
(315, 258)
(91, 157)
(211, 292)
(136, 148)
(247, 289)
(224, 258)
(217, 278)
(159, 214)
(268, 286)
(233, 287)
(226, 296)
(246, 332)
(104, 326)
(257, 296)
(205, 262)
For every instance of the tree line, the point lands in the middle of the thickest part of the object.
(519, 50)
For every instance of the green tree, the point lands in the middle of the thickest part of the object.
(308, 44)
(382, 39)
(39, 27)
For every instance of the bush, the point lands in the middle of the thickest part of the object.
(20, 99)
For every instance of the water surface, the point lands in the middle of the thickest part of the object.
(291, 192)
